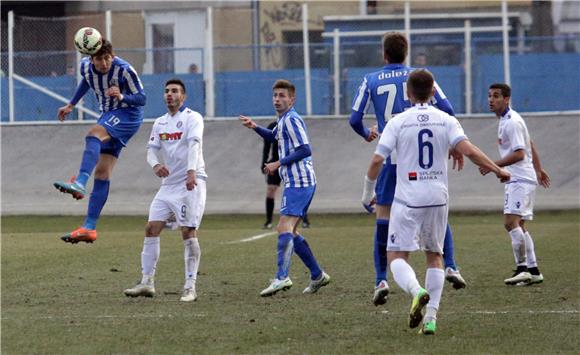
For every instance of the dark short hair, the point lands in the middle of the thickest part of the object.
(395, 47)
(420, 84)
(505, 89)
(106, 48)
(285, 84)
(176, 82)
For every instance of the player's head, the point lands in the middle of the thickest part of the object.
(420, 86)
(283, 95)
(174, 94)
(395, 47)
(498, 98)
(103, 58)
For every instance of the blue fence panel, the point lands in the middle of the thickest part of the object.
(540, 82)
(250, 93)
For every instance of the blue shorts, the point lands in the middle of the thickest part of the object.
(296, 200)
(121, 124)
(386, 183)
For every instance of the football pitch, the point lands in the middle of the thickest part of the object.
(60, 298)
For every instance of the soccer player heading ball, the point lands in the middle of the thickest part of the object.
(121, 99)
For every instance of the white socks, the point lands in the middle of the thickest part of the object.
(404, 276)
(434, 281)
(530, 251)
(149, 257)
(191, 255)
(519, 246)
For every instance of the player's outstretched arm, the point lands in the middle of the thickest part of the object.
(248, 122)
(543, 177)
(480, 159)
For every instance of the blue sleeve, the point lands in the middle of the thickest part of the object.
(356, 122)
(300, 153)
(440, 101)
(265, 133)
(81, 91)
(135, 99)
(445, 105)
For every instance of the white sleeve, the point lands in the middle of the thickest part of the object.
(195, 128)
(154, 137)
(192, 154)
(455, 132)
(152, 157)
(515, 131)
(388, 141)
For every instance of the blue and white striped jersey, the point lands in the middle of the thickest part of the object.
(291, 133)
(387, 89)
(121, 74)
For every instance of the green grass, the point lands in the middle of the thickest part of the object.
(59, 298)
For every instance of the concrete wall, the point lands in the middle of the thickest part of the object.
(35, 156)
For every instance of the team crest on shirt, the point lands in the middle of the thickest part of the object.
(175, 136)
(518, 204)
(393, 237)
(423, 118)
(179, 124)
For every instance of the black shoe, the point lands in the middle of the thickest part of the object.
(305, 225)
(267, 225)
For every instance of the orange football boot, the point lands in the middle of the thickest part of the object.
(80, 235)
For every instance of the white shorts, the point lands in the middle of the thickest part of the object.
(519, 199)
(187, 206)
(411, 229)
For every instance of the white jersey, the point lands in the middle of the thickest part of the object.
(172, 134)
(422, 135)
(512, 135)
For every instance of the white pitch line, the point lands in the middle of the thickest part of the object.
(251, 239)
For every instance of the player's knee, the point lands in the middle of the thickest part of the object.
(509, 225)
(152, 230)
(188, 233)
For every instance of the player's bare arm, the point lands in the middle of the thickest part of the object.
(458, 160)
(64, 111)
(248, 122)
(480, 159)
(508, 160)
(542, 175)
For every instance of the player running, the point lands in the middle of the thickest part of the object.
(422, 135)
(386, 90)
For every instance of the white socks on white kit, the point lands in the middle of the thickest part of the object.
(191, 255)
(149, 258)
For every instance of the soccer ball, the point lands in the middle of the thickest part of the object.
(88, 40)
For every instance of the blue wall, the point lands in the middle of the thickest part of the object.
(541, 82)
